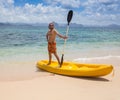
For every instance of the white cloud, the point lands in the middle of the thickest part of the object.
(99, 12)
(65, 3)
(104, 6)
(30, 13)
(6, 3)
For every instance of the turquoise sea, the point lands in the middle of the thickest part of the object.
(21, 44)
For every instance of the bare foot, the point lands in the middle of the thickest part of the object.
(59, 65)
(49, 63)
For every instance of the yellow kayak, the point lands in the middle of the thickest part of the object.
(76, 69)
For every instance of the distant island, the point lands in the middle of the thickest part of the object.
(57, 25)
(113, 25)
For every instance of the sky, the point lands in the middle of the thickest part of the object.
(86, 12)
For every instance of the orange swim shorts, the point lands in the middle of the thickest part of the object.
(52, 47)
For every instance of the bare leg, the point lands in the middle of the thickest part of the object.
(50, 57)
(57, 58)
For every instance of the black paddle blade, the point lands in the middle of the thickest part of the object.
(61, 60)
(69, 16)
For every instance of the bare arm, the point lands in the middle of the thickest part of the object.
(61, 36)
(47, 36)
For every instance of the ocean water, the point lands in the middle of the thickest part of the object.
(21, 44)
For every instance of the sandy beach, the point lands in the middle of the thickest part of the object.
(48, 86)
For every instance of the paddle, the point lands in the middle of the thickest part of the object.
(69, 17)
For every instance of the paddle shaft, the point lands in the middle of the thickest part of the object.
(64, 46)
(69, 17)
(65, 39)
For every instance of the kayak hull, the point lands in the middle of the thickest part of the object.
(76, 69)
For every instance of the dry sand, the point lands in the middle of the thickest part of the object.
(56, 87)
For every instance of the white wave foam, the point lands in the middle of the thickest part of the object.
(103, 59)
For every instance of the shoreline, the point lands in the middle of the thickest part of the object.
(16, 69)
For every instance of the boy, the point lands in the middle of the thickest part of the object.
(51, 39)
